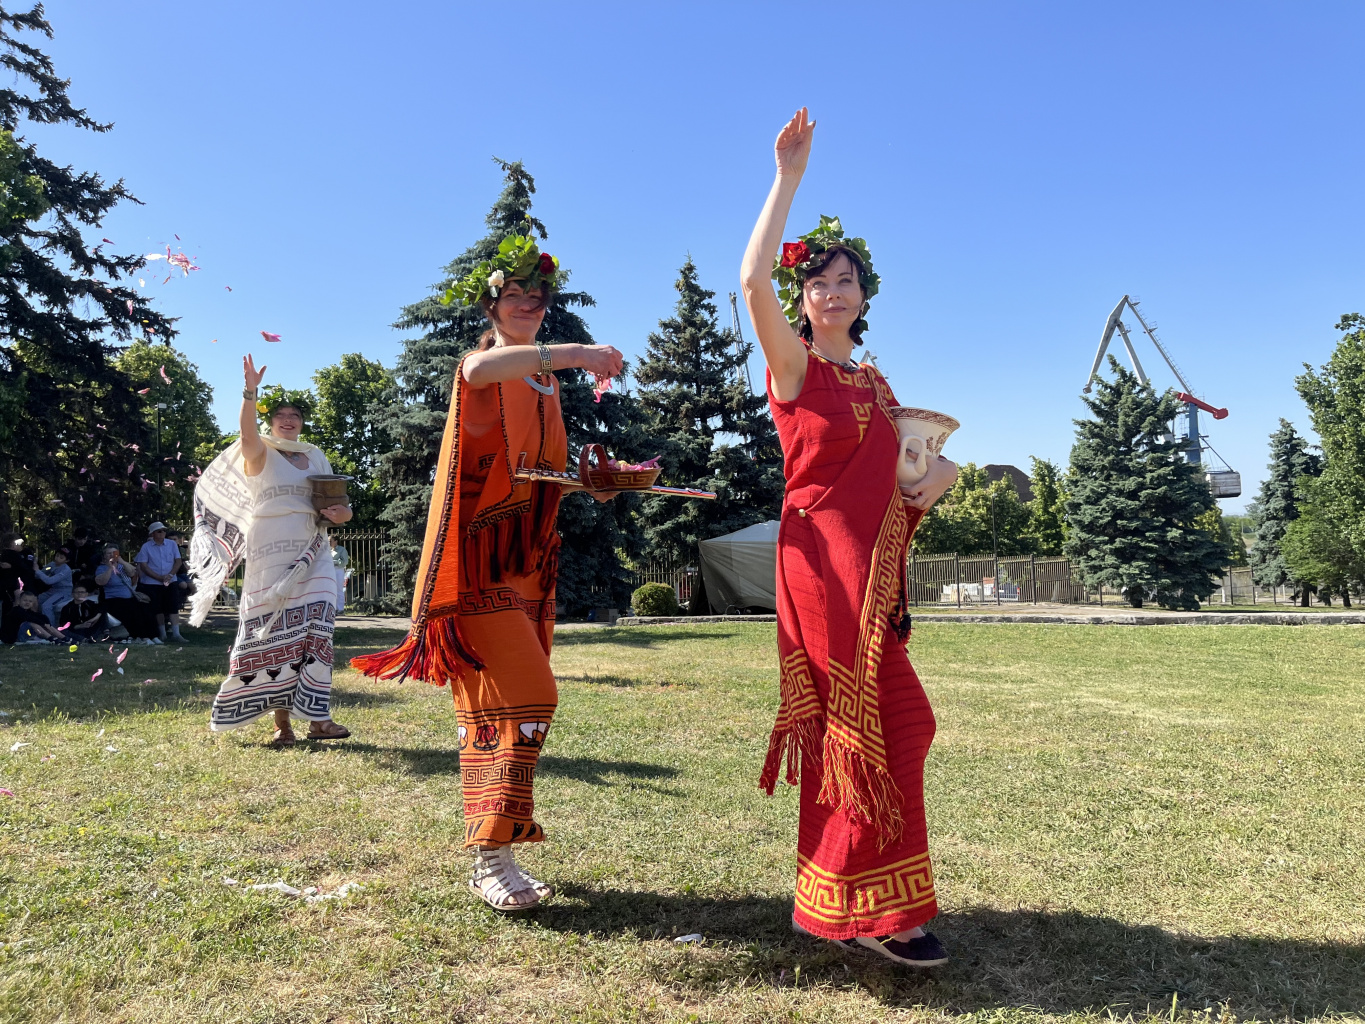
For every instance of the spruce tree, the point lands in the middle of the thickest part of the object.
(712, 432)
(1134, 502)
(1277, 505)
(67, 415)
(413, 414)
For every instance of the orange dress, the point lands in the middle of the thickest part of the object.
(483, 606)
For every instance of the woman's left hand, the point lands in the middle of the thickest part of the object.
(942, 475)
(337, 514)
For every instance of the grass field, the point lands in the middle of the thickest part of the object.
(1120, 818)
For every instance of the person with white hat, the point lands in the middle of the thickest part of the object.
(157, 563)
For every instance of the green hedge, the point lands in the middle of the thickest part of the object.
(655, 599)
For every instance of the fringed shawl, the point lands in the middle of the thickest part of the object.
(506, 529)
(224, 507)
(861, 533)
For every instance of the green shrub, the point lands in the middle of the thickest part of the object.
(655, 599)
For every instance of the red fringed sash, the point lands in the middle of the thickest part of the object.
(508, 530)
(860, 533)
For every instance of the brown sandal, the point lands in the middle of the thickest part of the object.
(283, 738)
(329, 731)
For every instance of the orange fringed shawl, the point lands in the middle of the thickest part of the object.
(482, 524)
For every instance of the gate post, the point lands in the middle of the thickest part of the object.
(957, 579)
(1033, 575)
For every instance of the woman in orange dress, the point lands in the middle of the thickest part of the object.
(854, 725)
(484, 597)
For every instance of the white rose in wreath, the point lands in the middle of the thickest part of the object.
(495, 281)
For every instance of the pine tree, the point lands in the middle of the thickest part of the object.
(696, 399)
(1046, 510)
(413, 415)
(1134, 500)
(1277, 505)
(66, 412)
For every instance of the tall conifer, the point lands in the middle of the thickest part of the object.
(1134, 502)
(712, 431)
(414, 413)
(1277, 505)
(66, 412)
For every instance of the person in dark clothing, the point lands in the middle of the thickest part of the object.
(85, 554)
(30, 624)
(86, 621)
(16, 577)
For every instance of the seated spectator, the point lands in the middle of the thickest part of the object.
(85, 555)
(118, 580)
(87, 623)
(31, 624)
(16, 576)
(58, 577)
(157, 563)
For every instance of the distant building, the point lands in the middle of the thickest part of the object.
(1020, 478)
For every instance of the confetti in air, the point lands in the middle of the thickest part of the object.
(122, 654)
(144, 391)
(601, 386)
(270, 337)
(98, 672)
(162, 371)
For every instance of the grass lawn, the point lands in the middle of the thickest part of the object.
(1118, 817)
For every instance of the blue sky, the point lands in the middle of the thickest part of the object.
(1015, 168)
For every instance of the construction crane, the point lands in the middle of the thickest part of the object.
(1225, 482)
(739, 339)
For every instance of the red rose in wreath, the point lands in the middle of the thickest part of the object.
(794, 253)
(547, 263)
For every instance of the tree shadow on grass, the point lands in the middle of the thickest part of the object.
(1058, 962)
(635, 636)
(446, 761)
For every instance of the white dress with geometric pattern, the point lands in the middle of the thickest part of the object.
(291, 665)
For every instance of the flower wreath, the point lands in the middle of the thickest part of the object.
(793, 265)
(518, 259)
(275, 395)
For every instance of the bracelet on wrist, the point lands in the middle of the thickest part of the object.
(249, 394)
(546, 364)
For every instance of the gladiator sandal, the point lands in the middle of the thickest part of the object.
(499, 883)
(544, 890)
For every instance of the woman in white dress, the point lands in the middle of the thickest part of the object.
(254, 502)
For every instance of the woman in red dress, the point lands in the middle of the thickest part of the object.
(854, 725)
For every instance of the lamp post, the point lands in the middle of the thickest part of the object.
(159, 407)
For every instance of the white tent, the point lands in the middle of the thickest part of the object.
(740, 569)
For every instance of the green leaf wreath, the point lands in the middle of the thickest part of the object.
(272, 396)
(792, 266)
(518, 259)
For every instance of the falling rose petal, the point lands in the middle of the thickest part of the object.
(82, 497)
(5, 792)
(109, 240)
(122, 654)
(64, 626)
(98, 672)
(168, 277)
(130, 468)
(177, 237)
(146, 483)
(601, 386)
(133, 446)
(111, 648)
(228, 287)
(214, 341)
(21, 582)
(162, 371)
(144, 391)
(130, 307)
(270, 337)
(82, 472)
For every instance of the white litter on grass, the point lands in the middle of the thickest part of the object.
(312, 894)
(112, 749)
(99, 735)
(18, 747)
(687, 939)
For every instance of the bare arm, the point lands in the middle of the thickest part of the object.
(253, 448)
(512, 362)
(782, 349)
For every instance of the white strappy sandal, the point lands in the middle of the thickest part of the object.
(542, 889)
(500, 883)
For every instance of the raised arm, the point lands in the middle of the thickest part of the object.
(253, 448)
(512, 362)
(782, 349)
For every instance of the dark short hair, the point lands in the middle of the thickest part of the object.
(817, 264)
(489, 304)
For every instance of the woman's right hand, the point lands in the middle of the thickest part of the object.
(604, 360)
(792, 149)
(251, 376)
